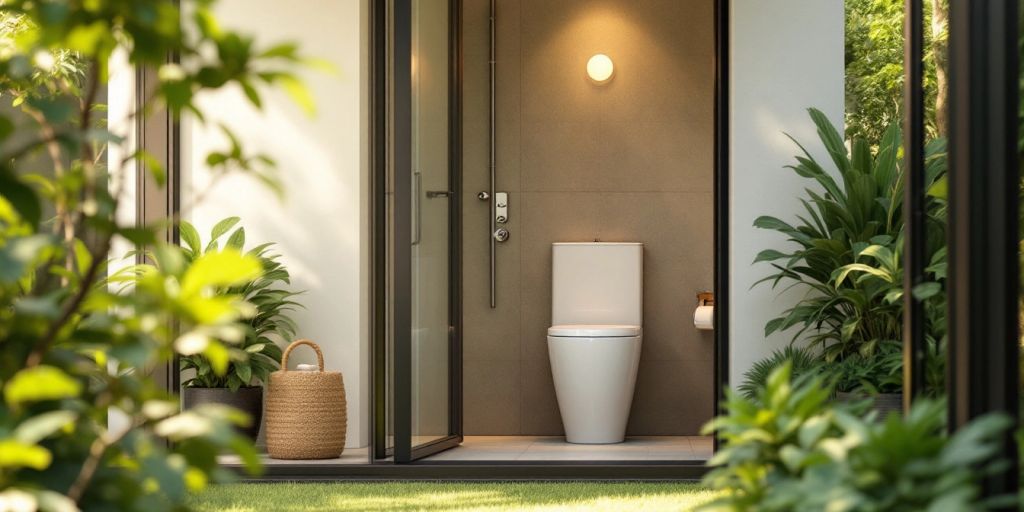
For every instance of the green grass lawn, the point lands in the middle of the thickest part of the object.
(395, 496)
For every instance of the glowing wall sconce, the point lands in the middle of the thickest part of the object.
(600, 68)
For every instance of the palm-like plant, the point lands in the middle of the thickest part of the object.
(800, 360)
(258, 354)
(848, 245)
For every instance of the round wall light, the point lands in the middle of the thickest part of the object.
(600, 68)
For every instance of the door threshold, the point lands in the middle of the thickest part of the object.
(482, 471)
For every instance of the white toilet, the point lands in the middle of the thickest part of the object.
(594, 341)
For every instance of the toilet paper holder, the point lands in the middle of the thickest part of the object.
(703, 315)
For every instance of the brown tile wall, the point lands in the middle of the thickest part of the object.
(630, 160)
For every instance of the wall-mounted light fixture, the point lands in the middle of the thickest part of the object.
(600, 68)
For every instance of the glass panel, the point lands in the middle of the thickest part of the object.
(933, 291)
(875, 100)
(865, 353)
(430, 223)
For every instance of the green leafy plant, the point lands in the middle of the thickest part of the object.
(72, 348)
(906, 463)
(258, 353)
(801, 361)
(766, 439)
(848, 246)
(791, 449)
(843, 219)
(880, 373)
(874, 66)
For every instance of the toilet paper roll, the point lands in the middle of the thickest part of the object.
(704, 318)
(307, 367)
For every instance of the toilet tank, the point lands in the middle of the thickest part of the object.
(597, 283)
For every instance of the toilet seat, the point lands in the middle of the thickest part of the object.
(594, 331)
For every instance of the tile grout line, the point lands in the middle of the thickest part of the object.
(522, 227)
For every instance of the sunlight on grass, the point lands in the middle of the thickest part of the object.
(469, 496)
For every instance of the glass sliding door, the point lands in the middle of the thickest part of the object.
(431, 245)
(421, 414)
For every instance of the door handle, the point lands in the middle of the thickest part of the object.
(431, 194)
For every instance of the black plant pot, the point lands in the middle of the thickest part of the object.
(884, 403)
(247, 400)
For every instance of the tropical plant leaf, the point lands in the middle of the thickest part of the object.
(190, 236)
(222, 227)
(845, 251)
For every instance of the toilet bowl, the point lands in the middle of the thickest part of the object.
(595, 339)
(594, 369)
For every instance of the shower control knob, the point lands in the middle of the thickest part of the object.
(501, 234)
(483, 196)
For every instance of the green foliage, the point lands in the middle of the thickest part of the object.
(258, 354)
(802, 362)
(874, 66)
(73, 348)
(848, 247)
(845, 225)
(882, 372)
(768, 439)
(789, 449)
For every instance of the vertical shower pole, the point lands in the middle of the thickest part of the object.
(493, 154)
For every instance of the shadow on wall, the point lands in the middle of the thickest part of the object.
(320, 225)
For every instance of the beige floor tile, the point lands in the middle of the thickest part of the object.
(676, 456)
(555, 448)
(349, 456)
(459, 454)
(474, 441)
(611, 455)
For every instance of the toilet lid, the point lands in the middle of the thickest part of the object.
(594, 331)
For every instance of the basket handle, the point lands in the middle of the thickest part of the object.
(296, 343)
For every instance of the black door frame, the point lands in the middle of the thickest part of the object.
(380, 133)
(915, 235)
(984, 251)
(394, 62)
(983, 214)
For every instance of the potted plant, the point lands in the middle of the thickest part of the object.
(255, 352)
(877, 379)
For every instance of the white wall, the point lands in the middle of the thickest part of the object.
(786, 56)
(322, 226)
(120, 103)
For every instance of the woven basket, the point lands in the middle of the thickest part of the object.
(306, 411)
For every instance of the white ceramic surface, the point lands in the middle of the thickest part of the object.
(594, 331)
(594, 380)
(597, 283)
(594, 343)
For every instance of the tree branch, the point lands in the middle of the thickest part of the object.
(100, 256)
(97, 450)
(71, 307)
